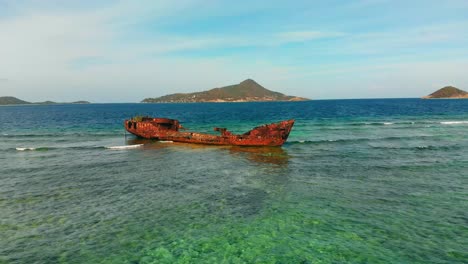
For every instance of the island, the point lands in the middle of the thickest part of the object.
(246, 91)
(448, 92)
(10, 100)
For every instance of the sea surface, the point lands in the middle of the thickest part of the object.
(358, 181)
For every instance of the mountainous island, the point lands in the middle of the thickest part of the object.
(10, 100)
(246, 91)
(448, 92)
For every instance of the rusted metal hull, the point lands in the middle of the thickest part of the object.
(165, 129)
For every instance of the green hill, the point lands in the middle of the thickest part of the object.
(10, 100)
(447, 92)
(246, 91)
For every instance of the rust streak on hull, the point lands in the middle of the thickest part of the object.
(166, 129)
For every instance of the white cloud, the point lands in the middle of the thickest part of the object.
(380, 80)
(66, 54)
(42, 52)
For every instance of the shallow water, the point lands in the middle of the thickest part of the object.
(361, 181)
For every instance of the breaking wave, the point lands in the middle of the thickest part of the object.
(421, 122)
(373, 123)
(24, 149)
(84, 134)
(454, 122)
(125, 146)
(78, 148)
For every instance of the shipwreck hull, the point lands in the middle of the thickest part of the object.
(165, 129)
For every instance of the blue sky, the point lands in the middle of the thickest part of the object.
(124, 51)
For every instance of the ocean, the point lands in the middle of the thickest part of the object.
(358, 181)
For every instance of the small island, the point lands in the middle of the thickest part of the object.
(448, 92)
(246, 91)
(10, 100)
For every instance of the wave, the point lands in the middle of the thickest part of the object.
(427, 147)
(389, 123)
(24, 149)
(346, 126)
(323, 141)
(56, 148)
(125, 146)
(368, 141)
(430, 147)
(453, 122)
(83, 134)
(395, 138)
(77, 148)
(370, 124)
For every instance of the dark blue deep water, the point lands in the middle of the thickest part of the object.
(359, 181)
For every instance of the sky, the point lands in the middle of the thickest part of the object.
(124, 51)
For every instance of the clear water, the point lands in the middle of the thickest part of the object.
(359, 181)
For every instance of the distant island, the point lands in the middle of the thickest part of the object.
(246, 91)
(10, 100)
(448, 92)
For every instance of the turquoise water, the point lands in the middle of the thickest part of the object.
(359, 181)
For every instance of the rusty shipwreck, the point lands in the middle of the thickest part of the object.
(165, 129)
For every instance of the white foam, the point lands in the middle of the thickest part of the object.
(23, 149)
(453, 122)
(387, 123)
(125, 147)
